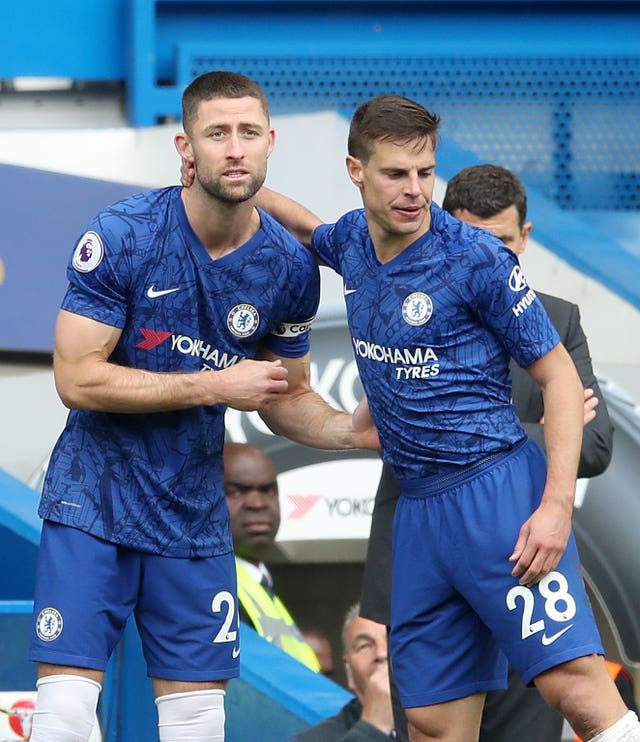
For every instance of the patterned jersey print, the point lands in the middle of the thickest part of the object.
(432, 332)
(154, 481)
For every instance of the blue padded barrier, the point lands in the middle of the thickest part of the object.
(17, 673)
(275, 698)
(19, 538)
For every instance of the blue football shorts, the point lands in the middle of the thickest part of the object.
(185, 609)
(457, 614)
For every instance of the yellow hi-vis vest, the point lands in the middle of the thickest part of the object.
(272, 620)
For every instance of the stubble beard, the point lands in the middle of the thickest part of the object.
(229, 194)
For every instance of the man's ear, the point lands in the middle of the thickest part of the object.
(354, 168)
(347, 672)
(183, 147)
(272, 142)
(525, 232)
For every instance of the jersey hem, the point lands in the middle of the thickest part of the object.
(190, 553)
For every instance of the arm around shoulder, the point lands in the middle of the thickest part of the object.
(294, 216)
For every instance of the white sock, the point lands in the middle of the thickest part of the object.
(191, 717)
(65, 709)
(626, 729)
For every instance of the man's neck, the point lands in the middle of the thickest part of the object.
(388, 245)
(221, 227)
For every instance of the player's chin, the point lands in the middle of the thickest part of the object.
(406, 222)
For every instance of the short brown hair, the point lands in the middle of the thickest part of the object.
(484, 191)
(218, 84)
(390, 117)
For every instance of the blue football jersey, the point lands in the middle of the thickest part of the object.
(154, 481)
(432, 332)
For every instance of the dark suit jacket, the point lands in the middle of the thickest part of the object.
(597, 440)
(346, 726)
(596, 452)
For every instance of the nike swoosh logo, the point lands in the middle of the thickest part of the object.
(546, 640)
(349, 291)
(235, 652)
(153, 294)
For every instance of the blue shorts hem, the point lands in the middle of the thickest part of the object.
(430, 698)
(194, 676)
(549, 662)
(40, 654)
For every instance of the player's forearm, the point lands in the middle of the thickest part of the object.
(307, 419)
(294, 216)
(107, 387)
(563, 404)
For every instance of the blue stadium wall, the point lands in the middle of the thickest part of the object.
(549, 89)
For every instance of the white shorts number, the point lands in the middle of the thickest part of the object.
(226, 634)
(559, 605)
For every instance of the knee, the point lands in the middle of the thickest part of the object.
(65, 708)
(583, 692)
(197, 715)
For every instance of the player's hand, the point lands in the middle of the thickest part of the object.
(590, 404)
(366, 433)
(541, 542)
(249, 384)
(376, 703)
(187, 173)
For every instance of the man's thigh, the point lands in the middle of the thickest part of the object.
(454, 721)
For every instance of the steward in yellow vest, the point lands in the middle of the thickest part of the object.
(251, 489)
(272, 620)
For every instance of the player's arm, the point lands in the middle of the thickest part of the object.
(303, 416)
(544, 536)
(294, 216)
(86, 378)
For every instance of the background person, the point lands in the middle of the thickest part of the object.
(323, 649)
(369, 715)
(251, 488)
(493, 198)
